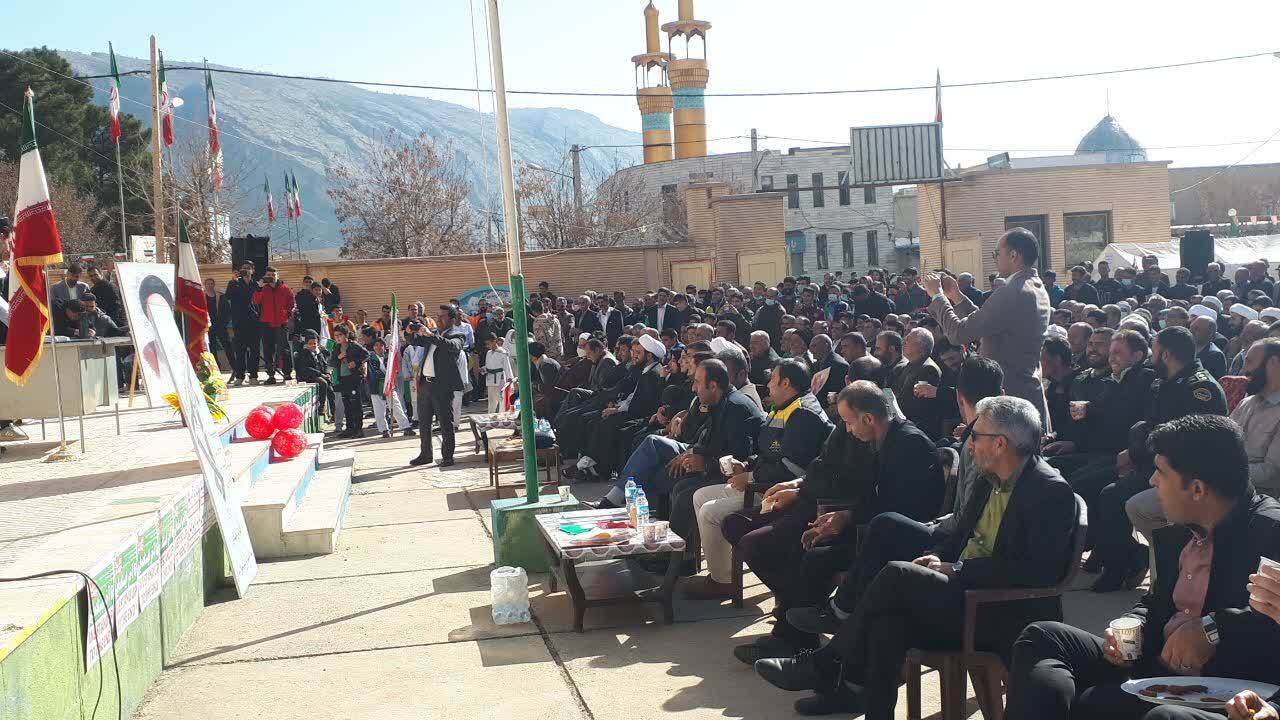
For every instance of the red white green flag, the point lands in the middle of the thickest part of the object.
(36, 244)
(191, 299)
(937, 98)
(288, 196)
(166, 106)
(215, 148)
(393, 350)
(114, 103)
(297, 197)
(271, 203)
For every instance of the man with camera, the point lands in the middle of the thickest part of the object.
(439, 384)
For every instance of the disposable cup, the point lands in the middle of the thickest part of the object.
(1265, 562)
(1128, 633)
(564, 493)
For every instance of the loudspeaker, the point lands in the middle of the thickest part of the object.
(251, 249)
(1195, 252)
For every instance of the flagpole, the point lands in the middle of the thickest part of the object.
(124, 234)
(62, 454)
(157, 183)
(511, 226)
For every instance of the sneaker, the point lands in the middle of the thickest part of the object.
(789, 673)
(814, 620)
(11, 433)
(765, 646)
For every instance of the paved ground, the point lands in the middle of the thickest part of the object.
(397, 624)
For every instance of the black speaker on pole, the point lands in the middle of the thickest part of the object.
(252, 249)
(1195, 252)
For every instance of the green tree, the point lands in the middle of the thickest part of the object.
(104, 179)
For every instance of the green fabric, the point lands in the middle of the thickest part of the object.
(983, 540)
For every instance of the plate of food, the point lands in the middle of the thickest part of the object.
(1204, 693)
(603, 536)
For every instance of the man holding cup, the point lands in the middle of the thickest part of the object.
(1195, 621)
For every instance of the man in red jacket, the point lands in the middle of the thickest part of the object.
(275, 306)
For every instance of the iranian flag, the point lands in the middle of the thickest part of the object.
(191, 301)
(288, 197)
(937, 98)
(166, 106)
(215, 148)
(271, 203)
(114, 103)
(36, 244)
(297, 198)
(393, 350)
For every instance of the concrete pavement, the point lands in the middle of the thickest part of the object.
(396, 624)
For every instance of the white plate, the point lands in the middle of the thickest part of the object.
(1222, 689)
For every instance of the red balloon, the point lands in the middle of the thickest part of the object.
(258, 424)
(288, 416)
(289, 443)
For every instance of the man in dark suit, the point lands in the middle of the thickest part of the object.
(546, 375)
(1210, 356)
(922, 408)
(826, 358)
(602, 442)
(663, 315)
(868, 302)
(1196, 619)
(607, 320)
(769, 318)
(763, 357)
(892, 365)
(441, 380)
(1017, 531)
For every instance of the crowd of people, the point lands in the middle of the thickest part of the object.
(872, 448)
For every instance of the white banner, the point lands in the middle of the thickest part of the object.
(141, 283)
(214, 461)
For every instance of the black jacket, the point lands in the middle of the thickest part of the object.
(731, 429)
(1213, 360)
(875, 305)
(239, 295)
(671, 318)
(789, 440)
(612, 329)
(1109, 418)
(760, 367)
(308, 309)
(447, 349)
(355, 353)
(839, 475)
(311, 367)
(648, 391)
(907, 475)
(1032, 549)
(769, 319)
(1247, 640)
(109, 300)
(836, 379)
(926, 413)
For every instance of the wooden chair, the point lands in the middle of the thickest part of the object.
(987, 670)
(948, 459)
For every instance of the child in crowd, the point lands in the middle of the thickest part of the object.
(378, 368)
(497, 371)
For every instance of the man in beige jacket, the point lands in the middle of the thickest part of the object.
(1010, 325)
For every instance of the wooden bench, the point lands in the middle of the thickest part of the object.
(510, 451)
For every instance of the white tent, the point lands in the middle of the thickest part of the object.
(1230, 252)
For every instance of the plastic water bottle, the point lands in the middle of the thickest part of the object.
(642, 510)
(509, 595)
(630, 491)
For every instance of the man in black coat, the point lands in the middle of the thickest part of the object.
(769, 318)
(602, 442)
(663, 315)
(244, 323)
(763, 357)
(1017, 531)
(348, 362)
(604, 319)
(440, 382)
(826, 358)
(868, 302)
(1196, 618)
(312, 366)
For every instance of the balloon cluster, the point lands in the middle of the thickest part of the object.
(282, 426)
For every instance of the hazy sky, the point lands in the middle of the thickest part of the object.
(754, 46)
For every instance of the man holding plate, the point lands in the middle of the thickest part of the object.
(1196, 622)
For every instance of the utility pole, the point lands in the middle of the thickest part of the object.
(157, 179)
(512, 227)
(577, 179)
(755, 166)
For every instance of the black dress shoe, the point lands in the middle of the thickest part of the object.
(841, 700)
(409, 433)
(815, 620)
(420, 460)
(603, 503)
(765, 646)
(1093, 564)
(270, 381)
(445, 463)
(790, 673)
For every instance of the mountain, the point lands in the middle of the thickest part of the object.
(304, 126)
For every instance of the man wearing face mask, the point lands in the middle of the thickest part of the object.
(769, 318)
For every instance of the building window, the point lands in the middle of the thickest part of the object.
(846, 248)
(819, 199)
(820, 242)
(868, 196)
(873, 248)
(1085, 235)
(766, 182)
(844, 187)
(793, 194)
(797, 263)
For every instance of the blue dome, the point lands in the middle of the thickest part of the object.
(1108, 137)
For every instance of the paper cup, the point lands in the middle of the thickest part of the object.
(726, 465)
(649, 533)
(1128, 632)
(1265, 562)
(564, 493)
(660, 528)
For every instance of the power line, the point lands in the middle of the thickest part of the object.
(1246, 156)
(776, 93)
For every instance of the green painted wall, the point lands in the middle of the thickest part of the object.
(44, 677)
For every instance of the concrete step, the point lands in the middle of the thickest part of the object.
(249, 460)
(272, 502)
(314, 528)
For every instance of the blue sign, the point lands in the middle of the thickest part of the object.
(795, 242)
(470, 300)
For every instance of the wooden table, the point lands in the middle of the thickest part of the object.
(563, 556)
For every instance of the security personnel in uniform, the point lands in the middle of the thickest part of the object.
(1182, 388)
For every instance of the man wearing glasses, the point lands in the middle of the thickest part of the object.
(1010, 325)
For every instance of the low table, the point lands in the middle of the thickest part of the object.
(563, 556)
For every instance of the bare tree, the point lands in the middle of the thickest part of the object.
(619, 211)
(407, 200)
(77, 213)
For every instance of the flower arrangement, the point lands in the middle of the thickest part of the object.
(211, 384)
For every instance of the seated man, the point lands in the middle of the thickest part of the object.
(919, 406)
(763, 357)
(897, 471)
(893, 536)
(582, 407)
(1015, 532)
(95, 319)
(312, 366)
(601, 453)
(1196, 619)
(791, 438)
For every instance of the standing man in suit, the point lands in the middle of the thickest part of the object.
(70, 288)
(439, 384)
(1010, 324)
(663, 314)
(244, 322)
(608, 320)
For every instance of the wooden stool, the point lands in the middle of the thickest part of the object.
(511, 450)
